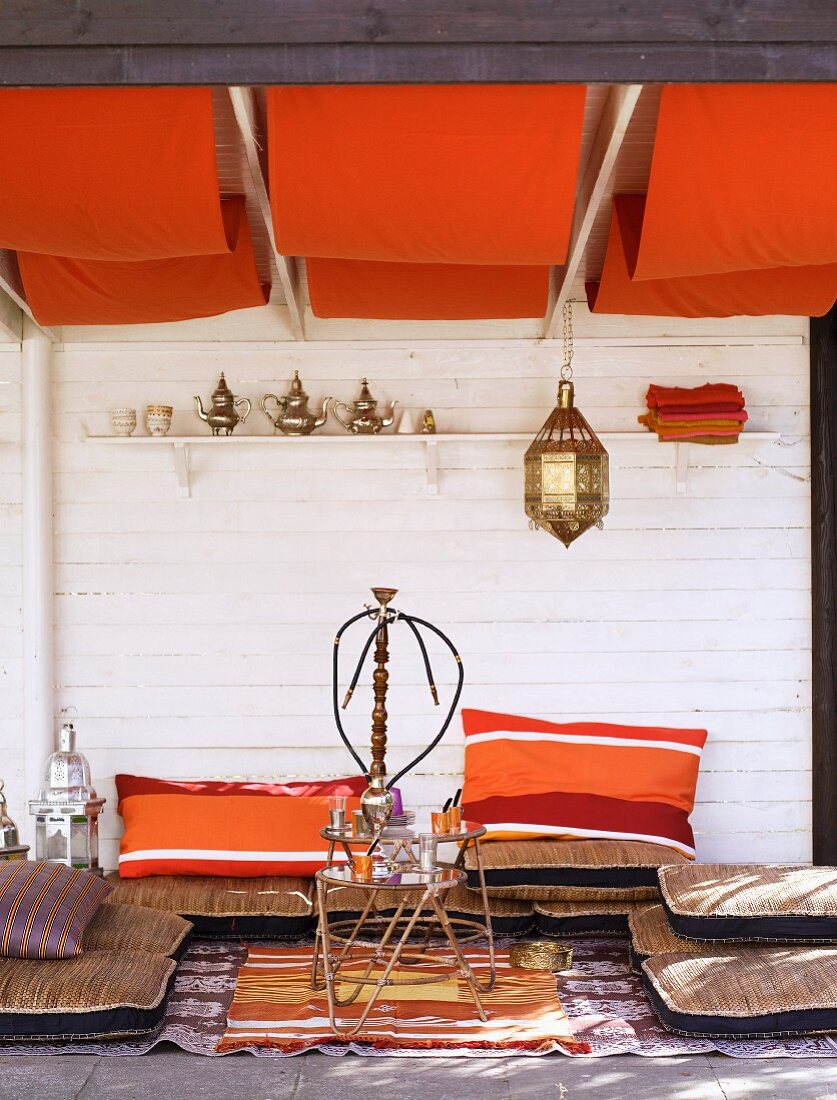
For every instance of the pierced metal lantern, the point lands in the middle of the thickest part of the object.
(566, 472)
(67, 809)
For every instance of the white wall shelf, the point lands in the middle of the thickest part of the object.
(180, 446)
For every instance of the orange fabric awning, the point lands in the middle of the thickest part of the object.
(470, 174)
(425, 292)
(64, 291)
(806, 291)
(109, 173)
(742, 178)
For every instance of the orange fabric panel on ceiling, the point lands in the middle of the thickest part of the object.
(471, 174)
(109, 173)
(742, 177)
(425, 292)
(65, 291)
(804, 291)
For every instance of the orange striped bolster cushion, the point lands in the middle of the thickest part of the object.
(529, 778)
(215, 828)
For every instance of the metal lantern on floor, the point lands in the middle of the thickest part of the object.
(566, 466)
(67, 809)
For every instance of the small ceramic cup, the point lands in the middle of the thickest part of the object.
(123, 421)
(440, 822)
(362, 867)
(158, 419)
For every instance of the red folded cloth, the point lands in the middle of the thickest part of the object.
(668, 416)
(710, 393)
(715, 407)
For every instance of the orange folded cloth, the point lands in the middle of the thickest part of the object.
(662, 396)
(653, 421)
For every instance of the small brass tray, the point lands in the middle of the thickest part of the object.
(541, 955)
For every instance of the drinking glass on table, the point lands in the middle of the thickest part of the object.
(337, 811)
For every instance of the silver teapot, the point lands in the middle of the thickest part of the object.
(222, 415)
(292, 415)
(363, 419)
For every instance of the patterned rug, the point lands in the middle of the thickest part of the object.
(603, 1000)
(274, 1006)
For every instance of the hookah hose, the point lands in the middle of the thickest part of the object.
(413, 622)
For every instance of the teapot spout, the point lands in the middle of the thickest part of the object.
(387, 420)
(199, 407)
(321, 419)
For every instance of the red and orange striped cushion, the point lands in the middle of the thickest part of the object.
(525, 777)
(243, 830)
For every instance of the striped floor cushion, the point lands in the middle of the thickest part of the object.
(782, 903)
(651, 934)
(509, 917)
(97, 995)
(45, 908)
(272, 907)
(750, 992)
(572, 870)
(582, 918)
(137, 928)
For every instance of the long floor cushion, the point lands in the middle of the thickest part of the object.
(583, 918)
(572, 870)
(783, 903)
(651, 934)
(95, 995)
(137, 928)
(226, 908)
(750, 992)
(509, 917)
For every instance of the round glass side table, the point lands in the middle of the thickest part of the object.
(354, 960)
(467, 837)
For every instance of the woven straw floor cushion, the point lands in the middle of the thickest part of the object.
(226, 908)
(509, 917)
(651, 934)
(773, 904)
(583, 918)
(137, 928)
(572, 870)
(97, 995)
(745, 991)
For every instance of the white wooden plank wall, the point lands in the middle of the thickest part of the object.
(195, 636)
(11, 581)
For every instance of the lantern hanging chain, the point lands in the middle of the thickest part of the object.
(567, 368)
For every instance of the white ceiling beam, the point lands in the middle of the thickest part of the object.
(613, 125)
(13, 301)
(244, 107)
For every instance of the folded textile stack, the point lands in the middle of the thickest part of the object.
(711, 414)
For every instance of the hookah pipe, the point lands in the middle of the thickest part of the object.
(377, 800)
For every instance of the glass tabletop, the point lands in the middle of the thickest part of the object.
(445, 877)
(470, 830)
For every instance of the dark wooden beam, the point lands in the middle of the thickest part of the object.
(824, 582)
(54, 42)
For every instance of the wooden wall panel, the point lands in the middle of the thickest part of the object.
(194, 636)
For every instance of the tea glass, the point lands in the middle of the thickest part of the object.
(362, 867)
(337, 811)
(428, 845)
(359, 827)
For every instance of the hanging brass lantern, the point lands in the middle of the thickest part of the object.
(566, 466)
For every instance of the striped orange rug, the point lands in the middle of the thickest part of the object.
(274, 1006)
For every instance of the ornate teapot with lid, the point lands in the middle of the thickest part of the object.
(292, 415)
(363, 419)
(222, 415)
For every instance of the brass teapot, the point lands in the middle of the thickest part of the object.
(292, 415)
(222, 416)
(363, 419)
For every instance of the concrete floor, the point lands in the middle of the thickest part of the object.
(168, 1072)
